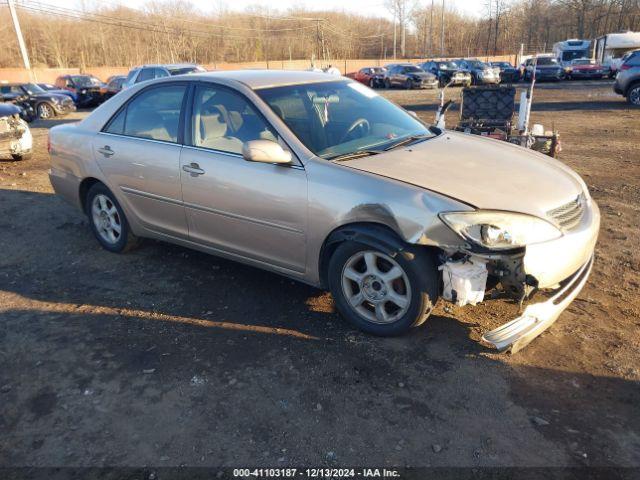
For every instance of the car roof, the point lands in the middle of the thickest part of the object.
(256, 79)
(168, 65)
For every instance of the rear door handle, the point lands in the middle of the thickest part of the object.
(194, 169)
(106, 151)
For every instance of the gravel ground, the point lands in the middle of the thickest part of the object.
(166, 356)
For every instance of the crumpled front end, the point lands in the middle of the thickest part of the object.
(543, 278)
(15, 136)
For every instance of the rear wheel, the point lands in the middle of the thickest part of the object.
(380, 294)
(20, 156)
(633, 95)
(107, 219)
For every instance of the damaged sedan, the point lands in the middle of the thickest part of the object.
(15, 137)
(325, 181)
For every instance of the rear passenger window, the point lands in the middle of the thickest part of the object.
(633, 61)
(154, 114)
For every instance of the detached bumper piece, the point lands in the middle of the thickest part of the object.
(537, 317)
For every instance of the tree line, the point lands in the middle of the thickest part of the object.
(174, 31)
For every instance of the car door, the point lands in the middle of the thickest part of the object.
(253, 210)
(139, 153)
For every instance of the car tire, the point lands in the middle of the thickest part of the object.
(408, 84)
(633, 95)
(45, 111)
(108, 221)
(387, 83)
(372, 83)
(359, 269)
(18, 157)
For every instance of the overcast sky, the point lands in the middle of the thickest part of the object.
(367, 7)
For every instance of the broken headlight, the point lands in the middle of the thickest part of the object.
(500, 230)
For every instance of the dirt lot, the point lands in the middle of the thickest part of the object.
(166, 356)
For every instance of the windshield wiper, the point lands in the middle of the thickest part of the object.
(408, 140)
(352, 155)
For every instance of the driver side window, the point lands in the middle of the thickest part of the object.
(223, 120)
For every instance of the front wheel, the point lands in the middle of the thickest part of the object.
(45, 111)
(387, 83)
(633, 96)
(380, 294)
(107, 219)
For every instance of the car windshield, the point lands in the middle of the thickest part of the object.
(547, 61)
(85, 81)
(379, 69)
(185, 70)
(448, 65)
(411, 68)
(502, 64)
(477, 64)
(339, 118)
(33, 89)
(569, 55)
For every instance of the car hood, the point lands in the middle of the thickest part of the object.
(50, 96)
(587, 67)
(8, 109)
(421, 74)
(482, 172)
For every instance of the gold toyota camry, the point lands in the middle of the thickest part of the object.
(322, 180)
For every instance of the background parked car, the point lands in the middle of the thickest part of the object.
(447, 72)
(628, 79)
(481, 73)
(53, 89)
(407, 75)
(26, 111)
(86, 87)
(585, 68)
(371, 76)
(45, 104)
(508, 73)
(15, 136)
(149, 72)
(547, 68)
(113, 86)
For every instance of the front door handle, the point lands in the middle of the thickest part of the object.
(194, 169)
(106, 151)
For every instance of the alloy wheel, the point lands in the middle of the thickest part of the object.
(634, 96)
(45, 111)
(376, 287)
(106, 218)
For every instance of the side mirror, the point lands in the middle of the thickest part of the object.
(265, 151)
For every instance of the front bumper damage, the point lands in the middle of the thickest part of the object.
(537, 317)
(557, 270)
(15, 136)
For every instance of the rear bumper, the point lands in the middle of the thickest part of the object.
(66, 185)
(537, 317)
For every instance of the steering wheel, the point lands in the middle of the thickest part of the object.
(359, 123)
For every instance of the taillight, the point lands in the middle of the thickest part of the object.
(625, 67)
(49, 143)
